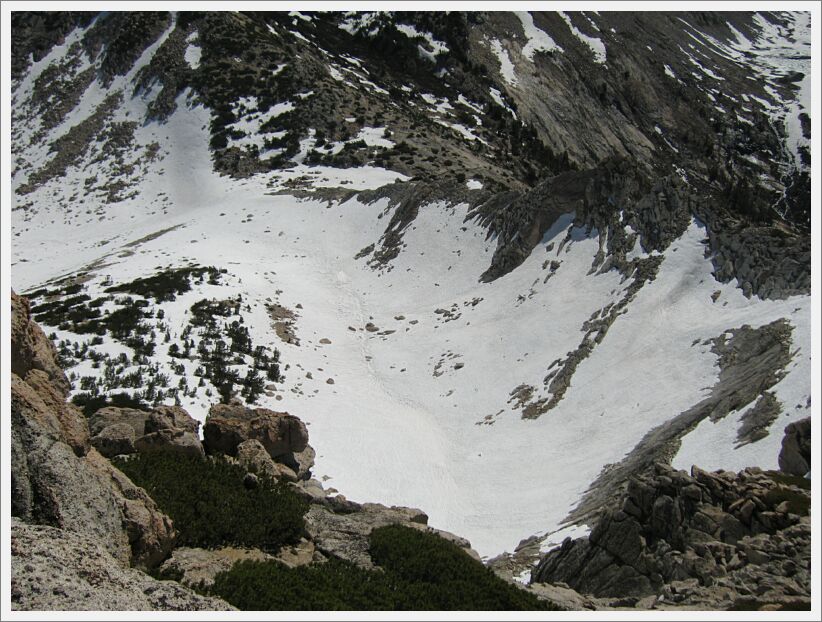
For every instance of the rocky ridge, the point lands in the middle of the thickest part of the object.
(704, 541)
(751, 361)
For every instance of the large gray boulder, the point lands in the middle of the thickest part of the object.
(176, 440)
(31, 349)
(55, 569)
(113, 415)
(255, 459)
(117, 431)
(115, 440)
(171, 417)
(114, 430)
(300, 462)
(228, 425)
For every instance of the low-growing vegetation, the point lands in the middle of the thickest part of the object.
(211, 506)
(443, 575)
(334, 585)
(218, 357)
(165, 286)
(417, 571)
(90, 404)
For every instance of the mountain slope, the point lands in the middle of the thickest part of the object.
(491, 251)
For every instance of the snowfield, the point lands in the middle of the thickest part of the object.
(422, 415)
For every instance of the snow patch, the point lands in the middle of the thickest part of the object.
(250, 122)
(506, 66)
(297, 14)
(443, 106)
(462, 100)
(462, 130)
(433, 47)
(336, 74)
(355, 22)
(538, 40)
(374, 137)
(596, 45)
(299, 36)
(497, 97)
(691, 59)
(193, 55)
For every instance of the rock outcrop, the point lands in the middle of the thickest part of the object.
(171, 418)
(795, 456)
(116, 439)
(255, 459)
(112, 415)
(171, 439)
(284, 437)
(58, 569)
(84, 494)
(116, 431)
(705, 540)
(342, 531)
(58, 479)
(31, 349)
(751, 361)
(194, 567)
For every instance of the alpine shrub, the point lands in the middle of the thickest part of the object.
(210, 505)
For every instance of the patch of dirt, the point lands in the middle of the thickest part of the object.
(283, 320)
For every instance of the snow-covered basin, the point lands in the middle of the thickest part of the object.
(388, 429)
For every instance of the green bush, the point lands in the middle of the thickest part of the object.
(419, 571)
(209, 504)
(448, 577)
(334, 585)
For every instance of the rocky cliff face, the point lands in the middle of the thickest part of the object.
(795, 456)
(57, 477)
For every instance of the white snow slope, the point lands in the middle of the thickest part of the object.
(403, 423)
